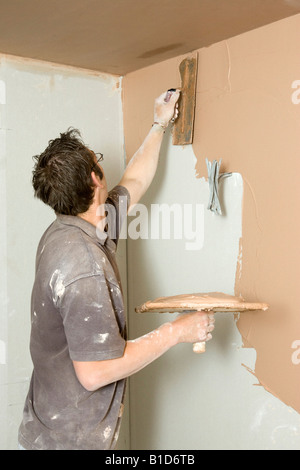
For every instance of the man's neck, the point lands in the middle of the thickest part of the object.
(95, 216)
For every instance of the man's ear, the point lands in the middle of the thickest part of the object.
(96, 180)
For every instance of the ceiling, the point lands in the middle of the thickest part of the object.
(120, 36)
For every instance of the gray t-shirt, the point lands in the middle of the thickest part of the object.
(77, 313)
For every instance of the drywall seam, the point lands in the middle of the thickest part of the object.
(3, 225)
(3, 245)
(3, 264)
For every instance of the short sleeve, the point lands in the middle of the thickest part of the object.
(90, 322)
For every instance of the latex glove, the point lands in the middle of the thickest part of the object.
(166, 107)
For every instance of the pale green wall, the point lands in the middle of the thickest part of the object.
(37, 102)
(183, 400)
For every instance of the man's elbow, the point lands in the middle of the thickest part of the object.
(136, 188)
(89, 385)
(90, 376)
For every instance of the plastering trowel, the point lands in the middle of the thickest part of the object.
(183, 129)
(210, 302)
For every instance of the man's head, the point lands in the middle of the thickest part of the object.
(62, 175)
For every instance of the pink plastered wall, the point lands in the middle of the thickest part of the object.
(248, 114)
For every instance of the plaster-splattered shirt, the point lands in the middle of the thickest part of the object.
(77, 313)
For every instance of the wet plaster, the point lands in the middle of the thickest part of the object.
(247, 113)
(250, 119)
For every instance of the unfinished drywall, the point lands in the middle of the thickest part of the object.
(37, 102)
(248, 114)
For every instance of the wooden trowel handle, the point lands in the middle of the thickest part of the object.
(199, 348)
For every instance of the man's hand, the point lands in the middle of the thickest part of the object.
(194, 327)
(166, 107)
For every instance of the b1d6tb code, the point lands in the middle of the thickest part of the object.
(167, 459)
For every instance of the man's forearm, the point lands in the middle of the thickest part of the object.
(143, 165)
(188, 328)
(137, 355)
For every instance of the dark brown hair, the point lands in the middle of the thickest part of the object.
(62, 174)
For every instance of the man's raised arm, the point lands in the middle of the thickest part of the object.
(142, 167)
